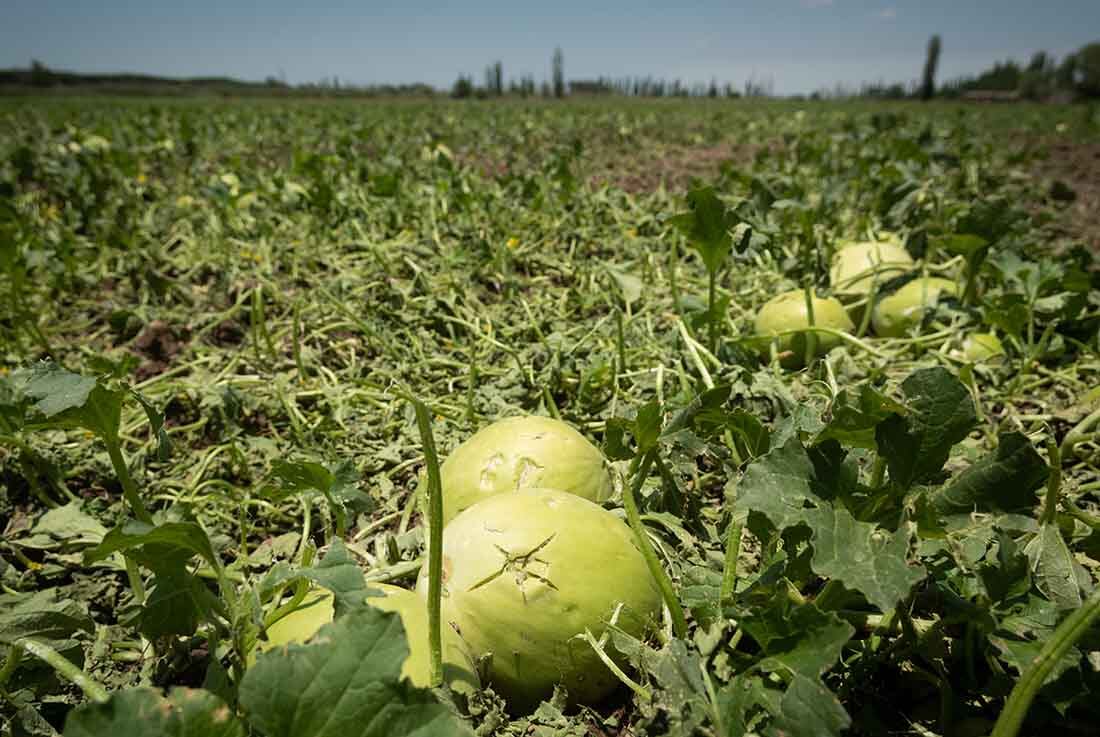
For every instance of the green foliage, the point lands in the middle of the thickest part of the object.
(863, 546)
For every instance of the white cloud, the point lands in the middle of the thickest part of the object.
(887, 14)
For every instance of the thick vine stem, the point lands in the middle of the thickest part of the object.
(435, 542)
(733, 552)
(1077, 434)
(664, 583)
(1065, 636)
(129, 488)
(61, 665)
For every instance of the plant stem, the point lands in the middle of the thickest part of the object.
(642, 692)
(878, 471)
(621, 343)
(1054, 485)
(435, 542)
(712, 322)
(811, 336)
(664, 583)
(1077, 434)
(129, 489)
(296, 332)
(1065, 636)
(733, 552)
(61, 665)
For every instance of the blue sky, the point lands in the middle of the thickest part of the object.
(800, 45)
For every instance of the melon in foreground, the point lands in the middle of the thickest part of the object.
(525, 574)
(316, 611)
(857, 267)
(787, 312)
(522, 452)
(895, 314)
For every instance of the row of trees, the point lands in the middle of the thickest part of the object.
(557, 86)
(1041, 78)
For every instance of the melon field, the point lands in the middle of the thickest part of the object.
(560, 419)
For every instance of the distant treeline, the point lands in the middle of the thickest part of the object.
(1076, 75)
(40, 78)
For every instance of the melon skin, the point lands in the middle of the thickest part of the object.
(459, 669)
(787, 311)
(525, 574)
(896, 313)
(857, 267)
(517, 453)
(982, 348)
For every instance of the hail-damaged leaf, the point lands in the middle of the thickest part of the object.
(1003, 481)
(809, 709)
(143, 712)
(337, 571)
(707, 225)
(940, 414)
(1008, 578)
(345, 683)
(855, 416)
(67, 528)
(55, 389)
(796, 638)
(863, 556)
(64, 402)
(1052, 567)
(866, 558)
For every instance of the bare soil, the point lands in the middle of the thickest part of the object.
(1075, 164)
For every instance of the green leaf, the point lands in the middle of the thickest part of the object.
(861, 555)
(42, 616)
(777, 485)
(796, 638)
(143, 712)
(941, 413)
(56, 389)
(177, 603)
(1008, 578)
(647, 426)
(337, 571)
(68, 526)
(1053, 567)
(1005, 480)
(630, 286)
(854, 418)
(808, 709)
(345, 683)
(1021, 654)
(150, 543)
(864, 557)
(707, 225)
(156, 423)
(738, 700)
(66, 399)
(300, 476)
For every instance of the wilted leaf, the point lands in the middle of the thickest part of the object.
(1003, 481)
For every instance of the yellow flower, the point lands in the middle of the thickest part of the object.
(512, 243)
(141, 178)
